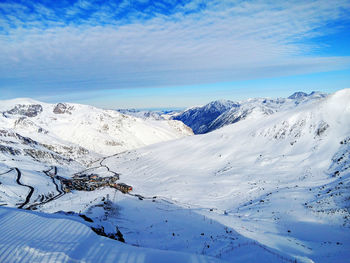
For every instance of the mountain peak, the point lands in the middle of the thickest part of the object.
(221, 104)
(317, 94)
(298, 95)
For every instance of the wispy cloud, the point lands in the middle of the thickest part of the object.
(126, 44)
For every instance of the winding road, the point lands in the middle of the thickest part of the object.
(53, 180)
(31, 189)
(103, 165)
(100, 165)
(60, 191)
(7, 171)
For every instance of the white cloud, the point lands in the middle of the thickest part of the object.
(224, 41)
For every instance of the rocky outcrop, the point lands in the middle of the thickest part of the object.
(31, 110)
(62, 108)
(199, 118)
(9, 150)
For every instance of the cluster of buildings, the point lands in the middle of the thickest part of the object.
(82, 182)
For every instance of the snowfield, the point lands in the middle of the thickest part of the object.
(269, 188)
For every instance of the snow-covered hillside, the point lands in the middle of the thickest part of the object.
(218, 114)
(102, 131)
(281, 180)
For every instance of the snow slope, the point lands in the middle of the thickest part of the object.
(158, 223)
(37, 237)
(101, 131)
(281, 180)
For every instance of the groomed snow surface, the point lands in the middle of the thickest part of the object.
(37, 237)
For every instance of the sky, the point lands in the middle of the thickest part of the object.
(153, 54)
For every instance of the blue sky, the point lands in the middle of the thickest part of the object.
(145, 54)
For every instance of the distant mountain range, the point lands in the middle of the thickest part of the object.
(65, 131)
(217, 114)
(144, 114)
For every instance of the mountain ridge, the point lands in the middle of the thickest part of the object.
(102, 131)
(217, 114)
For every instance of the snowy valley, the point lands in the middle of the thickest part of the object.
(265, 180)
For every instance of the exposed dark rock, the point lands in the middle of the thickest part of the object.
(31, 110)
(62, 108)
(41, 130)
(26, 140)
(116, 236)
(87, 219)
(199, 118)
(297, 95)
(323, 126)
(120, 236)
(40, 155)
(9, 150)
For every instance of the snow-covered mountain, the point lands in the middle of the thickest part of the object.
(269, 188)
(101, 131)
(281, 180)
(198, 118)
(150, 114)
(218, 114)
(155, 115)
